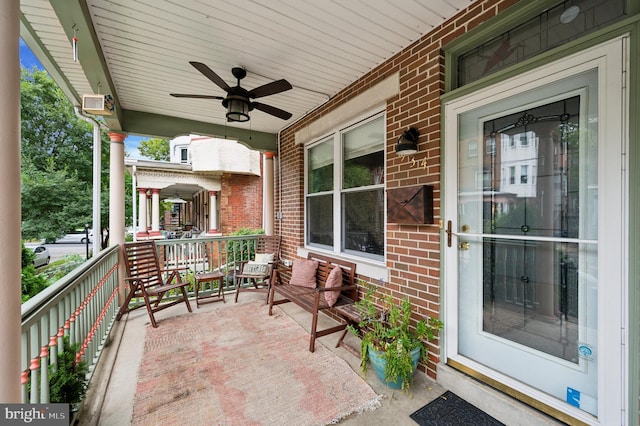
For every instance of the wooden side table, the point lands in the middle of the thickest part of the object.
(212, 297)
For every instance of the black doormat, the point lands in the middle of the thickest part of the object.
(451, 410)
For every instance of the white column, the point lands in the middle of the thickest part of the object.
(148, 212)
(10, 261)
(142, 213)
(213, 213)
(267, 193)
(155, 213)
(116, 189)
(116, 204)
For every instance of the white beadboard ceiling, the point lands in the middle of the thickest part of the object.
(139, 50)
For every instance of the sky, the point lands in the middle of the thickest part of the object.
(29, 60)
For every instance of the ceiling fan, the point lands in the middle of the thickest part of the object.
(238, 100)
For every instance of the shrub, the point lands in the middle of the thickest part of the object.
(68, 383)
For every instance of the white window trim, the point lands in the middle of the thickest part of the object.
(369, 267)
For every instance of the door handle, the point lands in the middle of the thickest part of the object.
(450, 234)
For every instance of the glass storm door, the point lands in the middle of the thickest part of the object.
(535, 168)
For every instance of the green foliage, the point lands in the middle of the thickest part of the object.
(32, 282)
(53, 202)
(61, 268)
(386, 327)
(68, 382)
(155, 149)
(57, 161)
(355, 176)
(241, 250)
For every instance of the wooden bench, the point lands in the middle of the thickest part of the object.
(312, 299)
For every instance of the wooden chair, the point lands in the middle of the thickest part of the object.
(148, 281)
(258, 271)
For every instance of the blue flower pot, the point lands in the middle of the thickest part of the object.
(378, 363)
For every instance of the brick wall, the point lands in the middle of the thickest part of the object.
(413, 251)
(240, 202)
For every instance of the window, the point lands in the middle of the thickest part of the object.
(320, 194)
(184, 155)
(345, 204)
(512, 175)
(524, 173)
(472, 149)
(535, 35)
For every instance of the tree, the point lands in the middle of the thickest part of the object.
(53, 202)
(57, 161)
(155, 149)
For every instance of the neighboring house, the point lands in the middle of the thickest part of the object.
(215, 186)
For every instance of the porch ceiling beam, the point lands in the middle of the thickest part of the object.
(144, 123)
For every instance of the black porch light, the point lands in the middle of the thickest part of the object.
(408, 142)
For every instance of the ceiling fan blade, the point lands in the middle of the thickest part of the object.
(270, 89)
(276, 112)
(182, 95)
(208, 72)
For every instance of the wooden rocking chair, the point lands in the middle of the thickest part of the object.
(148, 281)
(258, 271)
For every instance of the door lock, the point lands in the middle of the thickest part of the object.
(464, 245)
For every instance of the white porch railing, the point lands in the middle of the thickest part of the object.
(82, 306)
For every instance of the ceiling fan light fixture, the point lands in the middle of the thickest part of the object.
(407, 142)
(237, 108)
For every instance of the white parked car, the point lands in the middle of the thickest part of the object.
(76, 238)
(42, 257)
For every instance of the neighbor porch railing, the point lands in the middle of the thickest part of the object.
(208, 254)
(82, 306)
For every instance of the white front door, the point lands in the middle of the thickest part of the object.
(534, 203)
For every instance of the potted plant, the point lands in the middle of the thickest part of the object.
(388, 340)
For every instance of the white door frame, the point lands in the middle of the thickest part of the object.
(611, 60)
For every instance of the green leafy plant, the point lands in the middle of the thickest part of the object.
(385, 327)
(68, 381)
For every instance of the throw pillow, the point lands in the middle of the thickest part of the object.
(303, 273)
(333, 280)
(255, 268)
(264, 257)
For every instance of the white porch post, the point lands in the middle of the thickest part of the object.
(267, 193)
(155, 213)
(148, 205)
(213, 213)
(10, 261)
(142, 213)
(116, 203)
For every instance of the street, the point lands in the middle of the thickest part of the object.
(59, 250)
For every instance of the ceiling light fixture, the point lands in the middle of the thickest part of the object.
(237, 108)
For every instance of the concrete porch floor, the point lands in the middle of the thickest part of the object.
(109, 401)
